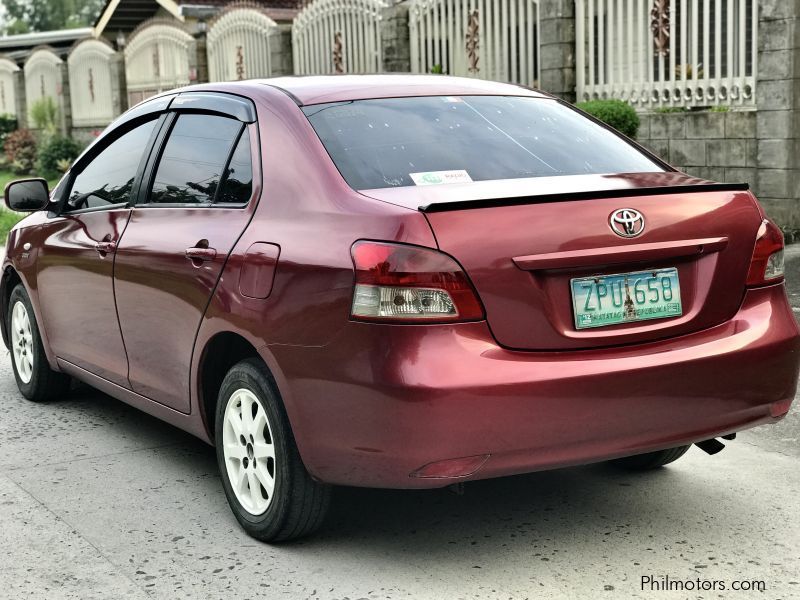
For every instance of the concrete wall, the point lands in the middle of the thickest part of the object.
(720, 146)
(396, 40)
(778, 118)
(557, 46)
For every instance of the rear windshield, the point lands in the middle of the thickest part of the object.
(456, 139)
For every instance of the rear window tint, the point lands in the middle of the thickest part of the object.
(431, 140)
(194, 159)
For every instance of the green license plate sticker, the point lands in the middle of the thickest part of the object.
(625, 298)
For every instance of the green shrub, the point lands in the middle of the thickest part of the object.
(8, 123)
(616, 113)
(20, 149)
(56, 155)
(44, 114)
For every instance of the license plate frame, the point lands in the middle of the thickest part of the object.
(621, 304)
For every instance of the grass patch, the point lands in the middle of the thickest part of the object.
(7, 220)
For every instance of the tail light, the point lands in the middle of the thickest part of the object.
(409, 284)
(766, 265)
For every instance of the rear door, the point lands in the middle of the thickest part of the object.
(76, 259)
(194, 208)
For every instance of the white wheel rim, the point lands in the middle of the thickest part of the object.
(22, 341)
(249, 451)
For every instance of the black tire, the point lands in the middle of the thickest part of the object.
(651, 460)
(44, 383)
(298, 504)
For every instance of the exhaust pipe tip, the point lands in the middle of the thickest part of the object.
(712, 446)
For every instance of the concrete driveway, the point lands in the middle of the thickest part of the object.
(100, 501)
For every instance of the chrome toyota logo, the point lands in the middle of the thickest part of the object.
(627, 222)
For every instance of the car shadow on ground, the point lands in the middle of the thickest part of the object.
(498, 513)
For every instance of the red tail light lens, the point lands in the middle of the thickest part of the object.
(410, 284)
(766, 265)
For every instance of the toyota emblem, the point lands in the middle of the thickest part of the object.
(627, 222)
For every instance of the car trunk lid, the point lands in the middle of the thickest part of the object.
(523, 251)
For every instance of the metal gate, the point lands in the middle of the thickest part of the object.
(42, 79)
(239, 45)
(489, 39)
(157, 59)
(89, 65)
(338, 36)
(8, 89)
(662, 54)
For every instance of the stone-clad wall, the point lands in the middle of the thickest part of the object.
(778, 102)
(720, 146)
(395, 38)
(557, 45)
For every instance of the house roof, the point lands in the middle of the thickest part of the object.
(18, 47)
(61, 36)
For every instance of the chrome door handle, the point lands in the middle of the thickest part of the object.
(201, 254)
(105, 247)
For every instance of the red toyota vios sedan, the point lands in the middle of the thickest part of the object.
(397, 281)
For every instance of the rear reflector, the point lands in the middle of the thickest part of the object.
(409, 284)
(455, 467)
(780, 408)
(766, 265)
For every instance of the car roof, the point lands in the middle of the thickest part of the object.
(320, 89)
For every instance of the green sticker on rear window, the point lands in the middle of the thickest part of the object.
(440, 177)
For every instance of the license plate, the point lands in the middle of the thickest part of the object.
(626, 297)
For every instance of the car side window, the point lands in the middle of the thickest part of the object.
(108, 179)
(237, 186)
(194, 158)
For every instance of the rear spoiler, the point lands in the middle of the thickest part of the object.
(597, 195)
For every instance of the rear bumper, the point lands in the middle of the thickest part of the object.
(384, 401)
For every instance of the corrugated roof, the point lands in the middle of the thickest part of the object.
(53, 38)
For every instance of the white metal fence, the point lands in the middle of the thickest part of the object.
(8, 90)
(338, 36)
(490, 39)
(90, 91)
(661, 53)
(239, 45)
(157, 59)
(42, 78)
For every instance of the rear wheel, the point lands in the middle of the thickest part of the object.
(269, 490)
(651, 460)
(35, 379)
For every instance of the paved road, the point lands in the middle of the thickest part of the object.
(100, 501)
